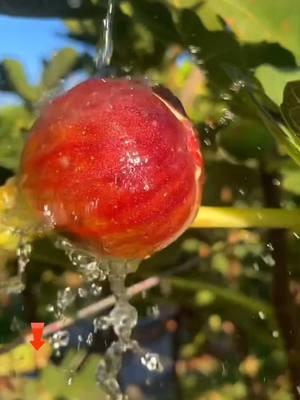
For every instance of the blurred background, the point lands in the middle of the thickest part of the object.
(224, 315)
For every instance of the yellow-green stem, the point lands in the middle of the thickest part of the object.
(208, 217)
(231, 217)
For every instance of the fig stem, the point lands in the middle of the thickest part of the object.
(232, 217)
(207, 217)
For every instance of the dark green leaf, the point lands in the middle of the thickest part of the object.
(268, 53)
(290, 106)
(284, 136)
(217, 50)
(157, 18)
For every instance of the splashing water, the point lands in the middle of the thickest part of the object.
(122, 319)
(105, 51)
(16, 284)
(59, 340)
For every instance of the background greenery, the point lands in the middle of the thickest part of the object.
(234, 65)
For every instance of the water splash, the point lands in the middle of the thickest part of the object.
(16, 285)
(65, 298)
(105, 51)
(122, 319)
(59, 340)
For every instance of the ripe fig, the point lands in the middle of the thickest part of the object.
(115, 166)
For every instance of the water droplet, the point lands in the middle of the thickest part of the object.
(270, 246)
(256, 266)
(79, 341)
(82, 292)
(60, 339)
(23, 256)
(152, 362)
(268, 260)
(50, 308)
(194, 50)
(276, 182)
(90, 339)
(154, 311)
(101, 323)
(65, 298)
(262, 315)
(96, 289)
(237, 85)
(70, 381)
(226, 96)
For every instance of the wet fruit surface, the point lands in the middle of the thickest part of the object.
(115, 166)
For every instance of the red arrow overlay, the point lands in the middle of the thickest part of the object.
(37, 333)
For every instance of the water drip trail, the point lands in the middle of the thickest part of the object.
(123, 318)
(104, 53)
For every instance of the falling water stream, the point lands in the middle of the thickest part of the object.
(105, 51)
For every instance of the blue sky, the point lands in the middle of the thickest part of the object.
(30, 41)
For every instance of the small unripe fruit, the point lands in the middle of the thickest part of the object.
(115, 166)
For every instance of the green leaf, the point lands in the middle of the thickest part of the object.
(274, 80)
(256, 21)
(53, 382)
(85, 31)
(291, 181)
(59, 66)
(290, 106)
(13, 122)
(17, 80)
(284, 136)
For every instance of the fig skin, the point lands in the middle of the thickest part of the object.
(115, 166)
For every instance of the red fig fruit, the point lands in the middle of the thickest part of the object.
(114, 165)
